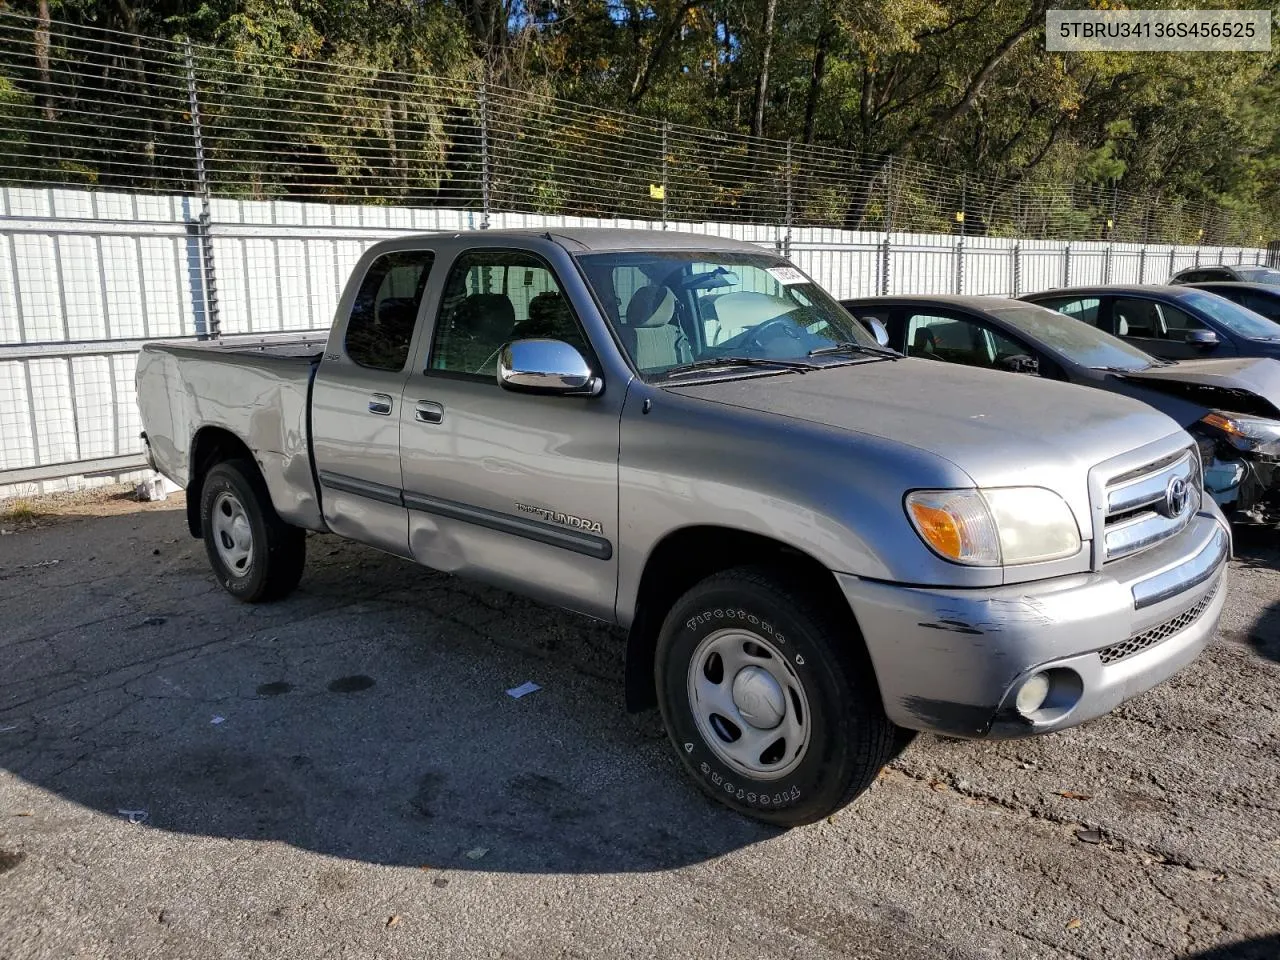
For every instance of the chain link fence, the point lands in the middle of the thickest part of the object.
(152, 189)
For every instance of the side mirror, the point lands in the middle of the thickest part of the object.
(547, 367)
(1202, 339)
(877, 330)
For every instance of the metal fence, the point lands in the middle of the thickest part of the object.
(158, 190)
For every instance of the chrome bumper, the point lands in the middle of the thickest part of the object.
(950, 661)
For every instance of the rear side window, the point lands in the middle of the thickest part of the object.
(386, 310)
(1078, 308)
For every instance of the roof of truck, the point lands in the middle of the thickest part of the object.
(604, 239)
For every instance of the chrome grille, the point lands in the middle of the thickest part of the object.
(1149, 638)
(1138, 507)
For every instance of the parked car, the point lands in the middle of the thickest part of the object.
(1261, 298)
(1232, 406)
(1177, 323)
(1240, 273)
(808, 537)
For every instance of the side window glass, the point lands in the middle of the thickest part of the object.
(1080, 308)
(386, 309)
(946, 338)
(1136, 318)
(1178, 323)
(492, 297)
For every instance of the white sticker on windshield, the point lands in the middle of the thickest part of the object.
(787, 275)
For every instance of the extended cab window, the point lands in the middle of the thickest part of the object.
(492, 297)
(386, 309)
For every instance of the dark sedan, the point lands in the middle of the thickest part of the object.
(1239, 273)
(1231, 406)
(1261, 298)
(1176, 323)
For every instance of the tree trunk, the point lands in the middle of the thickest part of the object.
(821, 45)
(762, 82)
(42, 61)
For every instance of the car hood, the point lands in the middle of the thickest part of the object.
(1249, 385)
(1000, 428)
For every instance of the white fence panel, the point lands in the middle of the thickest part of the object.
(85, 277)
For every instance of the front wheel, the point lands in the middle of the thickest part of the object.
(767, 700)
(255, 555)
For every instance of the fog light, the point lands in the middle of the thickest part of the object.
(1032, 694)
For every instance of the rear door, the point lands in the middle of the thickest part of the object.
(355, 421)
(514, 488)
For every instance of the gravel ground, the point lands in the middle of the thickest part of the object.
(342, 775)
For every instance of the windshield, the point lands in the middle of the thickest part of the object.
(1259, 275)
(675, 308)
(1241, 321)
(1074, 339)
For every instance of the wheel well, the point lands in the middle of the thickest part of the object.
(689, 555)
(211, 446)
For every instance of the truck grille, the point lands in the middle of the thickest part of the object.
(1149, 638)
(1151, 504)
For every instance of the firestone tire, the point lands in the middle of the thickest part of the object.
(768, 698)
(255, 555)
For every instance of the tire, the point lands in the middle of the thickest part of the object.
(255, 555)
(820, 734)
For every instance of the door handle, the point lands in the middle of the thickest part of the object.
(429, 411)
(380, 404)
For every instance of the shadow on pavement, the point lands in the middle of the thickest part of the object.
(365, 717)
(1264, 948)
(1257, 547)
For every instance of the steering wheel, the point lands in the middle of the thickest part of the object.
(755, 336)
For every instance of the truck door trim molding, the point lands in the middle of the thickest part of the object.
(362, 488)
(572, 540)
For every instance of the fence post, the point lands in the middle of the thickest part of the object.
(885, 250)
(959, 278)
(1172, 261)
(1142, 264)
(1066, 265)
(786, 240)
(204, 238)
(1017, 268)
(666, 128)
(484, 154)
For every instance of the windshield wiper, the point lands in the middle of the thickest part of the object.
(799, 366)
(853, 346)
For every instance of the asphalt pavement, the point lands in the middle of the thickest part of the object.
(342, 774)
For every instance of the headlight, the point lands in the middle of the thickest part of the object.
(991, 528)
(1246, 433)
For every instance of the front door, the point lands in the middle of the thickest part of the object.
(518, 489)
(1161, 329)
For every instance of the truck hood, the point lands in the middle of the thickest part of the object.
(1249, 385)
(999, 428)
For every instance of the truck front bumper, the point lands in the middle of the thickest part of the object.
(953, 661)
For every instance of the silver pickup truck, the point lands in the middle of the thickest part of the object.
(811, 540)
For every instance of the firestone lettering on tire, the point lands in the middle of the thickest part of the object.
(720, 613)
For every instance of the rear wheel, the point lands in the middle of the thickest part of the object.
(767, 699)
(255, 555)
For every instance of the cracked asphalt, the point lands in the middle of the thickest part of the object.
(342, 775)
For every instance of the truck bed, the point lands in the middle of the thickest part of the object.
(255, 389)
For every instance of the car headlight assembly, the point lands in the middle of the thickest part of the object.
(1245, 433)
(1003, 526)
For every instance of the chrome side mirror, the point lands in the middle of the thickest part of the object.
(1202, 339)
(877, 330)
(548, 367)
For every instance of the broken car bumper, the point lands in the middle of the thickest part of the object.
(953, 661)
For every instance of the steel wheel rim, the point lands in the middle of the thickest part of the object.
(748, 703)
(232, 534)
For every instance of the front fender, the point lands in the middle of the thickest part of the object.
(832, 494)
